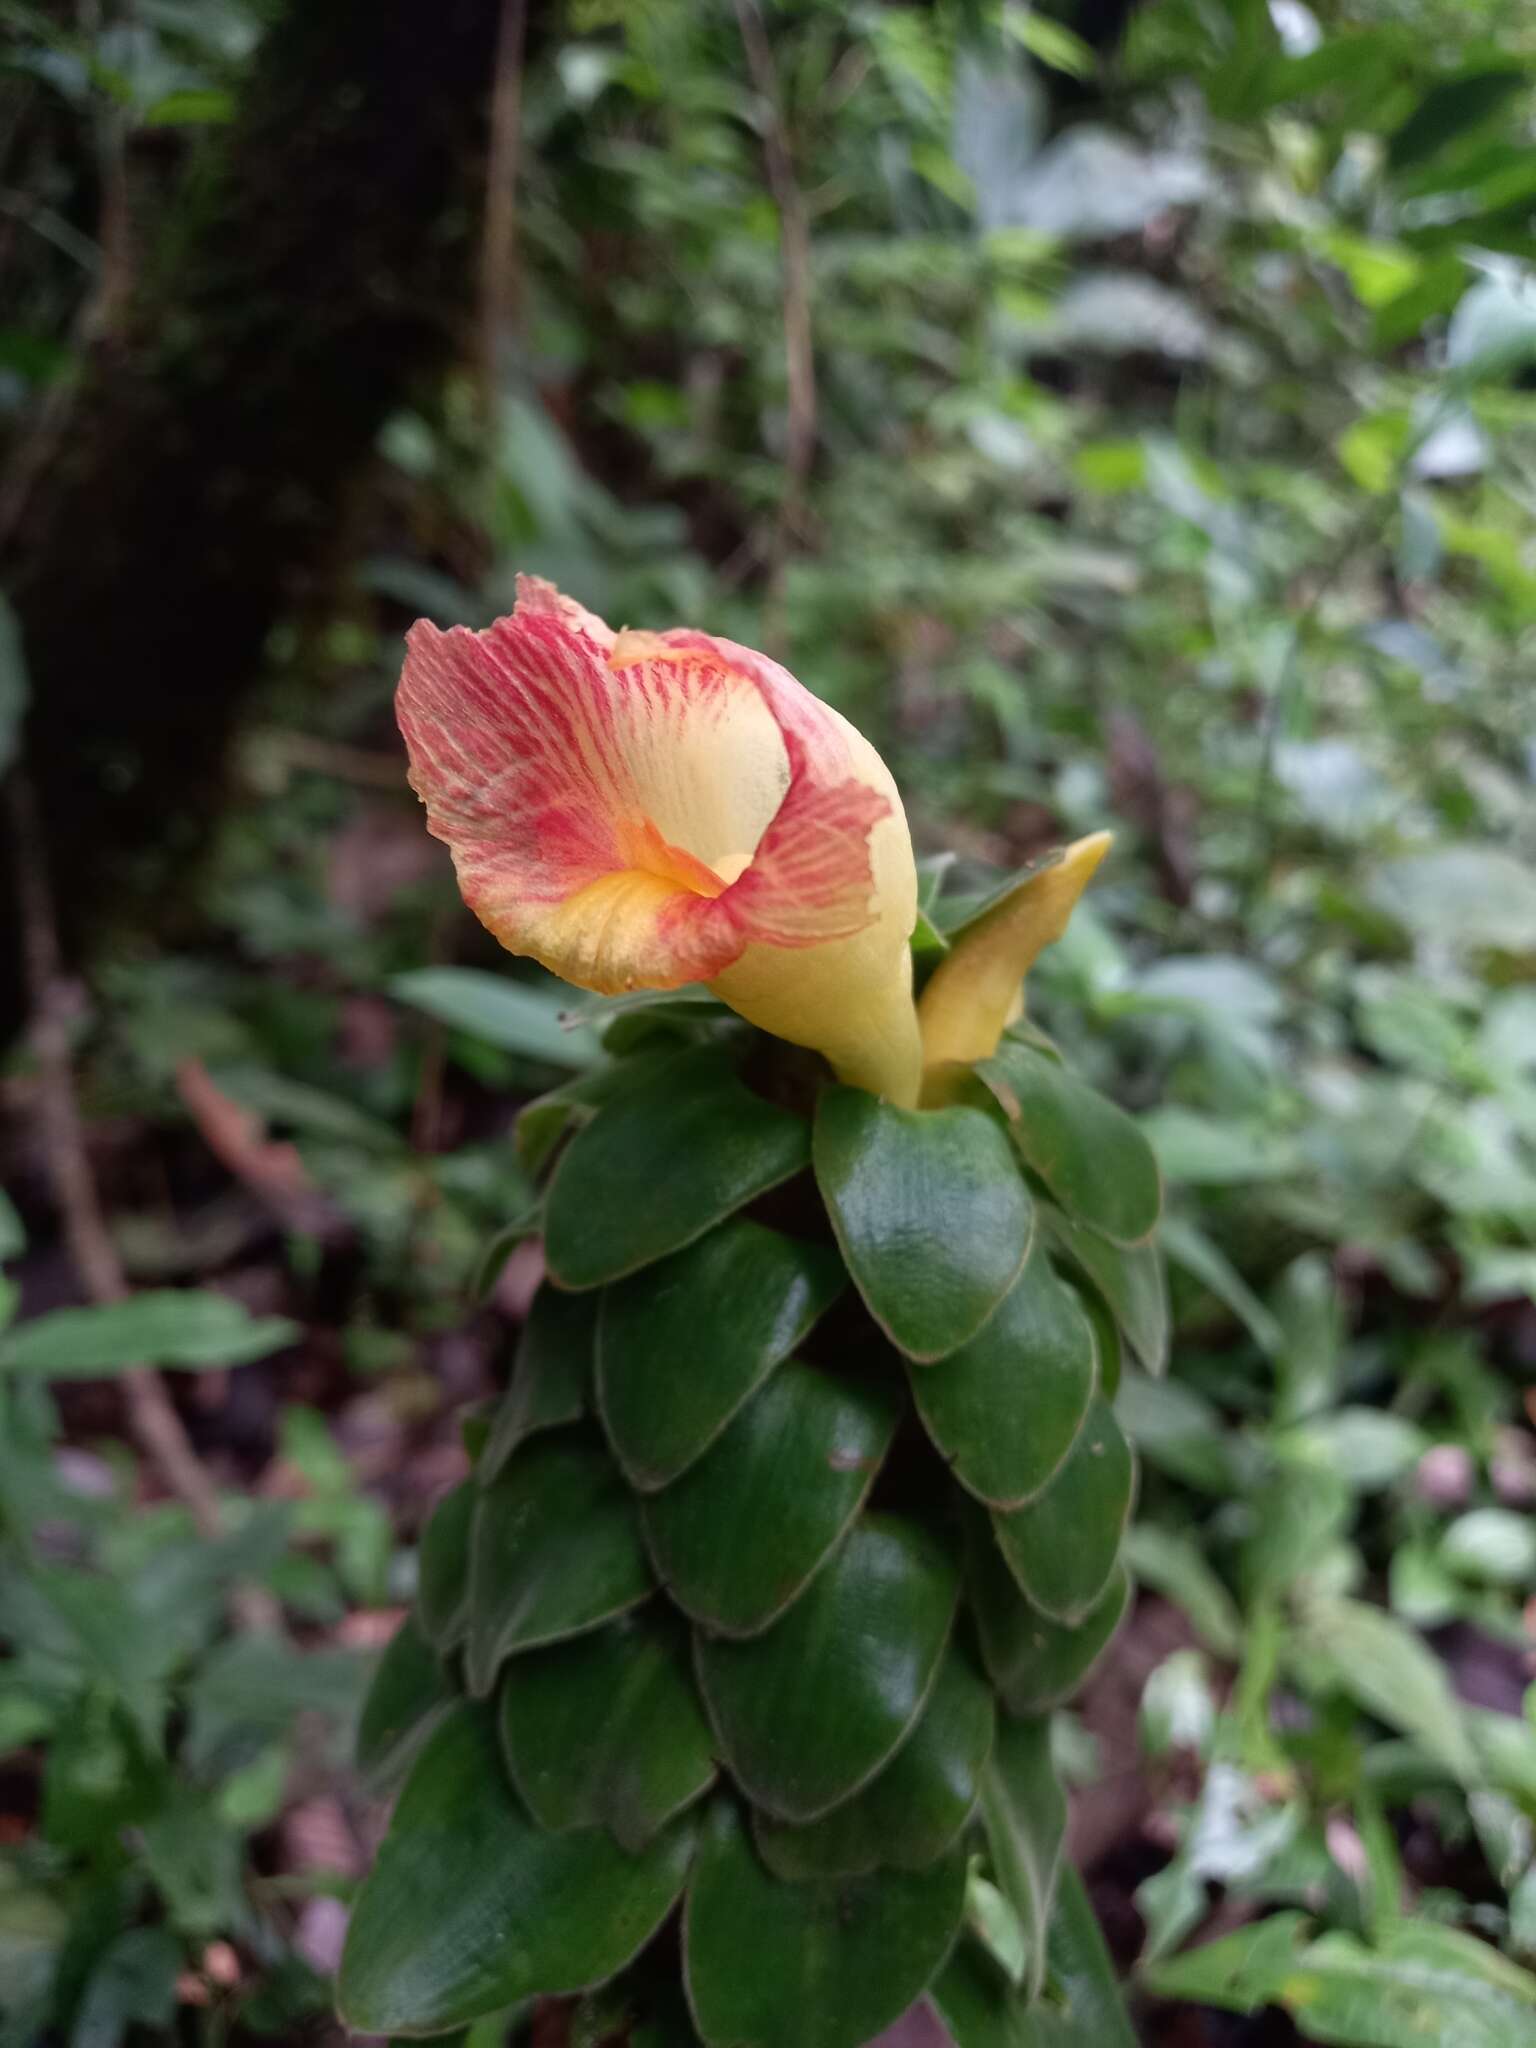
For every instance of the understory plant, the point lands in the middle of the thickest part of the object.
(724, 1706)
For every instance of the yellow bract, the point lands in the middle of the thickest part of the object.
(976, 990)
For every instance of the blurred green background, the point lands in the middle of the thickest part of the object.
(1127, 414)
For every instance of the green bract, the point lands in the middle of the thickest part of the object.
(765, 1584)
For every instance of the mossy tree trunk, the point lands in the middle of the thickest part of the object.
(313, 268)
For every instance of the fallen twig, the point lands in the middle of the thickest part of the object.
(151, 1413)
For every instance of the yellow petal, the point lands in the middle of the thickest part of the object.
(975, 989)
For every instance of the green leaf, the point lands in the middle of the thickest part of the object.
(660, 1165)
(133, 1984)
(192, 107)
(1005, 1408)
(1174, 1565)
(1204, 1258)
(1493, 1545)
(1025, 1812)
(1051, 42)
(551, 1375)
(1062, 1547)
(889, 1177)
(908, 1815)
(515, 1015)
(775, 1965)
(193, 1855)
(1087, 1151)
(607, 1730)
(1385, 1668)
(471, 1906)
(1451, 107)
(1242, 1971)
(15, 687)
(682, 1345)
(542, 1123)
(555, 1550)
(313, 1112)
(442, 1568)
(166, 1327)
(740, 1534)
(1130, 1280)
(1035, 1663)
(1081, 2009)
(13, 1236)
(1461, 897)
(809, 1711)
(408, 1696)
(1417, 1984)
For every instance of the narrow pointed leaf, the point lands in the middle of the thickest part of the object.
(1005, 1408)
(551, 1375)
(1062, 1547)
(660, 1165)
(442, 1568)
(738, 1537)
(1131, 1280)
(907, 1816)
(980, 2008)
(682, 1345)
(471, 1905)
(556, 1550)
(1025, 1812)
(409, 1694)
(775, 1965)
(807, 1712)
(608, 1730)
(930, 1210)
(1089, 1153)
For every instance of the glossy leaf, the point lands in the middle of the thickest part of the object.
(736, 1539)
(775, 1965)
(908, 1815)
(1131, 1280)
(542, 1123)
(1025, 1811)
(556, 1549)
(409, 1694)
(1035, 1663)
(657, 1167)
(682, 1345)
(442, 1568)
(809, 1711)
(1088, 1152)
(471, 1905)
(1005, 1408)
(608, 1729)
(930, 1211)
(1062, 1547)
(551, 1375)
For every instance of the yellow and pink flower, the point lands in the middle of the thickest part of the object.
(644, 810)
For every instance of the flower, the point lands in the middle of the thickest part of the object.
(642, 810)
(976, 990)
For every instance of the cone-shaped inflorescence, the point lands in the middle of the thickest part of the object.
(725, 1699)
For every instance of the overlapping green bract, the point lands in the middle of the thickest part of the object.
(744, 1627)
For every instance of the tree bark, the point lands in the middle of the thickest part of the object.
(305, 280)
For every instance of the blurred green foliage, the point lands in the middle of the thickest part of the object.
(1175, 461)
